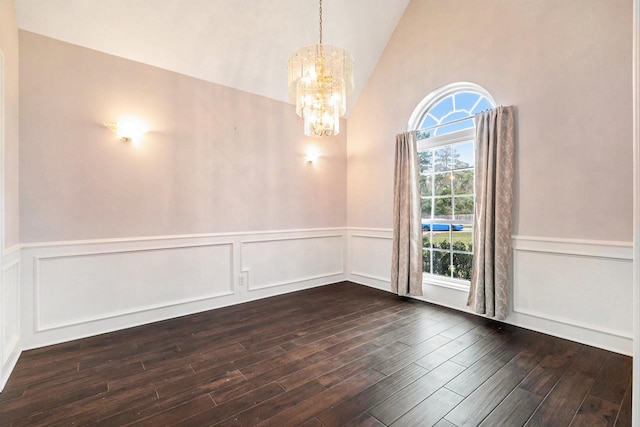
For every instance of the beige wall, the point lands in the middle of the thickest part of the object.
(9, 50)
(216, 159)
(566, 65)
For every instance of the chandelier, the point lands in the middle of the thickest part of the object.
(320, 78)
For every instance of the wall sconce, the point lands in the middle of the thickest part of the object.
(312, 154)
(128, 129)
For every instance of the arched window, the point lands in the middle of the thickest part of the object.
(446, 134)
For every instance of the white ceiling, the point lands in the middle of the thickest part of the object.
(243, 44)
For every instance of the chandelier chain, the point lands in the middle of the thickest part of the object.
(320, 21)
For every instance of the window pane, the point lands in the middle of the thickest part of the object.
(426, 185)
(426, 239)
(442, 240)
(442, 161)
(462, 266)
(483, 105)
(463, 155)
(463, 239)
(463, 182)
(466, 100)
(425, 159)
(426, 261)
(428, 122)
(423, 134)
(442, 108)
(442, 184)
(442, 208)
(426, 203)
(441, 263)
(464, 208)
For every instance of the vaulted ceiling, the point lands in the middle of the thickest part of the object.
(242, 44)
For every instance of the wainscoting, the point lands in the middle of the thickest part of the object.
(575, 289)
(10, 345)
(60, 291)
(72, 290)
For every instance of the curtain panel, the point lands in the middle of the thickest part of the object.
(494, 169)
(406, 258)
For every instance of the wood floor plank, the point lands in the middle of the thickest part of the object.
(545, 376)
(479, 349)
(596, 412)
(262, 367)
(415, 336)
(313, 422)
(299, 333)
(563, 402)
(404, 400)
(16, 409)
(89, 409)
(431, 410)
(358, 404)
(474, 376)
(302, 412)
(461, 328)
(273, 406)
(514, 410)
(221, 412)
(178, 412)
(411, 355)
(224, 394)
(561, 405)
(447, 351)
(315, 370)
(338, 375)
(612, 380)
(135, 412)
(364, 420)
(624, 414)
(488, 396)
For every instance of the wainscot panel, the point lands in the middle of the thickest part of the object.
(370, 255)
(85, 287)
(282, 261)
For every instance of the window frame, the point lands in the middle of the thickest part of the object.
(449, 139)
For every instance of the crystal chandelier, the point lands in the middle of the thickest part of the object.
(320, 78)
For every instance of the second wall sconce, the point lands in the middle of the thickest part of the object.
(312, 154)
(128, 129)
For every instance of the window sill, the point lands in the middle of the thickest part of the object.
(458, 285)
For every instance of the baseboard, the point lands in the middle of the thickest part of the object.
(557, 285)
(9, 364)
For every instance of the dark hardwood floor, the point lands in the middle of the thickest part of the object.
(337, 355)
